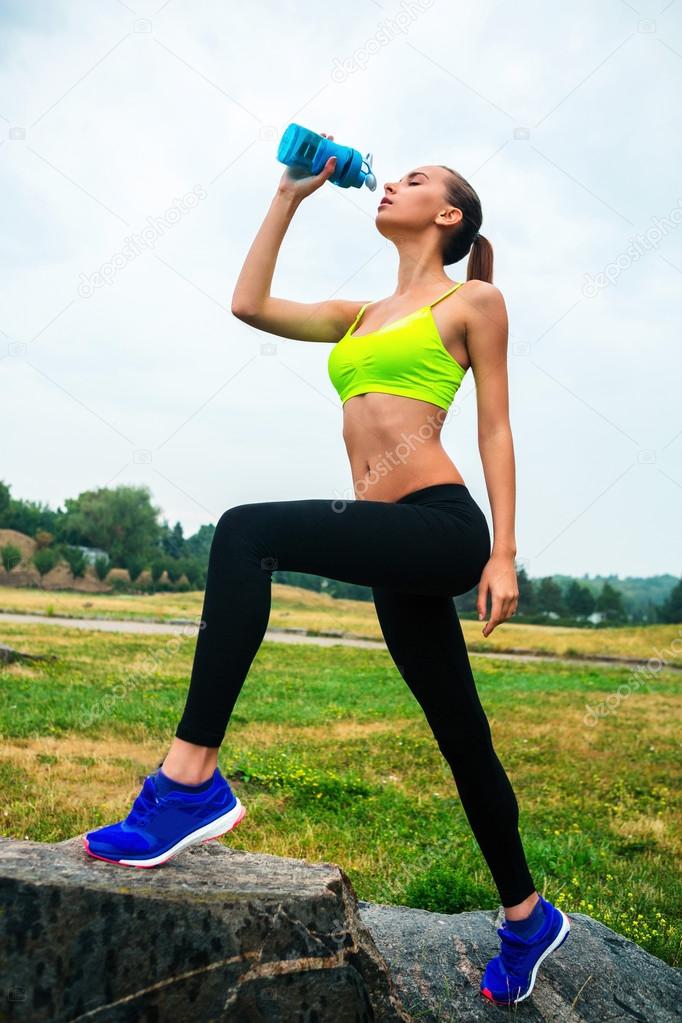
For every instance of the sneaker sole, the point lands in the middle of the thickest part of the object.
(559, 940)
(214, 829)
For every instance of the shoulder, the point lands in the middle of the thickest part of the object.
(482, 295)
(484, 308)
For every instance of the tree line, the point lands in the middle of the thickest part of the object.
(125, 525)
(120, 522)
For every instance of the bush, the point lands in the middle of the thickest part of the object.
(102, 567)
(75, 559)
(11, 556)
(157, 569)
(135, 565)
(195, 573)
(45, 558)
(174, 569)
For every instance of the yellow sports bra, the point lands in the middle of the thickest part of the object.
(406, 356)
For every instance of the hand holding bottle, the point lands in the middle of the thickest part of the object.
(296, 183)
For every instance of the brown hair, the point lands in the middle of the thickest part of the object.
(465, 236)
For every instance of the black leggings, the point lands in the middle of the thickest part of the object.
(415, 554)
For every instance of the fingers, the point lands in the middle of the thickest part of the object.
(482, 600)
(330, 165)
(502, 609)
(496, 615)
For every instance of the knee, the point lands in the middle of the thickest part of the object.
(234, 524)
(235, 518)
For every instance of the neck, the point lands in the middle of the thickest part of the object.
(420, 268)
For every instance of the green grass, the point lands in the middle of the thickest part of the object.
(334, 761)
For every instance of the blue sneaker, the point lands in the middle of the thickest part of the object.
(164, 820)
(510, 976)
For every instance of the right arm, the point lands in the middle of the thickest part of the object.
(252, 301)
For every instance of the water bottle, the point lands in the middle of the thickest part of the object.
(302, 148)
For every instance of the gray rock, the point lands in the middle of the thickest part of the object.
(217, 934)
(437, 961)
(214, 934)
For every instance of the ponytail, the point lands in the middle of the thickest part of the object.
(465, 237)
(480, 264)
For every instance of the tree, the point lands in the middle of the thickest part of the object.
(134, 564)
(157, 569)
(174, 569)
(173, 540)
(11, 556)
(610, 603)
(102, 565)
(45, 558)
(75, 559)
(26, 516)
(4, 502)
(199, 544)
(195, 572)
(122, 521)
(671, 609)
(579, 600)
(549, 596)
(527, 598)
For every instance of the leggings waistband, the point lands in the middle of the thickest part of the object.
(446, 491)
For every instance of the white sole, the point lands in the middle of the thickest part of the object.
(565, 928)
(213, 829)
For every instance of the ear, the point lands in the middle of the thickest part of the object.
(450, 216)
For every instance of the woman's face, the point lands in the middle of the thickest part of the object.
(417, 200)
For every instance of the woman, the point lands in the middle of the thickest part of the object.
(413, 533)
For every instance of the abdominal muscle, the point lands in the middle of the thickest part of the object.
(394, 447)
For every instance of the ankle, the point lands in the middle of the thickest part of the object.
(189, 764)
(186, 777)
(522, 909)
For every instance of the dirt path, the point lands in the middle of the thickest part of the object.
(187, 628)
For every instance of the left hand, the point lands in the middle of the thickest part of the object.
(499, 580)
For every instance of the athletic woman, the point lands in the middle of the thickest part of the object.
(412, 532)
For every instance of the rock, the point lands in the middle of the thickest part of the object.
(437, 961)
(218, 935)
(8, 655)
(214, 934)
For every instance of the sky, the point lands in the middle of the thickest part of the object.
(138, 159)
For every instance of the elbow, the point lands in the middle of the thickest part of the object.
(242, 312)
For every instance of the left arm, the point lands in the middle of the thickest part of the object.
(487, 333)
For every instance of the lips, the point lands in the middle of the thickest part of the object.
(385, 202)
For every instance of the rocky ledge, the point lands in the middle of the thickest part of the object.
(217, 934)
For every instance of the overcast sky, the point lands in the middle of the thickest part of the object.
(122, 121)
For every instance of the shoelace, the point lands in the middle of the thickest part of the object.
(146, 803)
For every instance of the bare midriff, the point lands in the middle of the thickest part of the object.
(394, 446)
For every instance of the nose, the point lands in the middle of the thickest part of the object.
(389, 187)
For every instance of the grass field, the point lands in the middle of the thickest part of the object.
(293, 606)
(331, 756)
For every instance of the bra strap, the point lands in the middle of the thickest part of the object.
(448, 292)
(357, 318)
